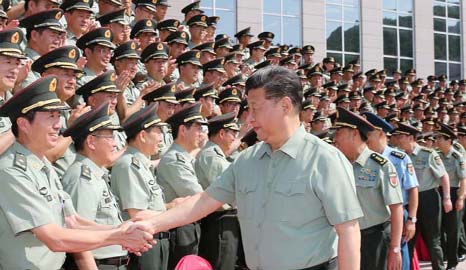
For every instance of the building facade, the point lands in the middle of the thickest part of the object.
(395, 34)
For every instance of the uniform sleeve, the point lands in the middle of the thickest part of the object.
(24, 207)
(336, 189)
(82, 192)
(409, 179)
(390, 184)
(127, 184)
(223, 188)
(181, 178)
(461, 167)
(436, 165)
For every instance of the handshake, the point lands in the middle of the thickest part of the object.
(135, 236)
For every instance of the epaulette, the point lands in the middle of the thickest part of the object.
(398, 154)
(180, 157)
(379, 159)
(428, 150)
(135, 162)
(218, 152)
(86, 172)
(458, 146)
(455, 155)
(20, 161)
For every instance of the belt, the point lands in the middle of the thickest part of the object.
(118, 261)
(377, 228)
(162, 235)
(322, 266)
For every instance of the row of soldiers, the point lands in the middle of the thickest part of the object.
(118, 107)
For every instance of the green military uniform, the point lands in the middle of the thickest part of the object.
(455, 166)
(134, 183)
(177, 177)
(189, 57)
(32, 195)
(87, 183)
(270, 186)
(31, 76)
(429, 168)
(377, 188)
(127, 50)
(5, 123)
(220, 233)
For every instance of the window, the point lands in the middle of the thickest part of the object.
(343, 29)
(398, 35)
(447, 38)
(226, 10)
(283, 18)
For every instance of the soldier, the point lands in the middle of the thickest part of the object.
(62, 62)
(11, 55)
(44, 33)
(456, 168)
(219, 230)
(102, 90)
(191, 10)
(166, 101)
(197, 29)
(378, 142)
(33, 205)
(177, 176)
(212, 22)
(98, 48)
(144, 10)
(213, 73)
(155, 59)
(167, 27)
(146, 32)
(257, 51)
(222, 47)
(118, 23)
(185, 98)
(431, 173)
(161, 10)
(244, 38)
(262, 182)
(230, 100)
(308, 55)
(378, 191)
(78, 15)
(87, 180)
(267, 37)
(188, 66)
(133, 181)
(207, 52)
(206, 95)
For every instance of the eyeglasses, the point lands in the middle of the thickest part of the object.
(104, 50)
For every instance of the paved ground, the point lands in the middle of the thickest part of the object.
(426, 266)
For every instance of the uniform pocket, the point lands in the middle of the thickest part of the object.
(246, 199)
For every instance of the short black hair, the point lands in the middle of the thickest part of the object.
(278, 82)
(175, 128)
(40, 30)
(29, 116)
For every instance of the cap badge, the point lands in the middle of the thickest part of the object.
(72, 54)
(107, 34)
(15, 38)
(159, 46)
(53, 85)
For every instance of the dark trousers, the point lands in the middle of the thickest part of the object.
(451, 222)
(428, 224)
(220, 237)
(156, 258)
(184, 241)
(330, 265)
(462, 243)
(374, 247)
(405, 258)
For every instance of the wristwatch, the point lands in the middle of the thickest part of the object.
(396, 250)
(413, 219)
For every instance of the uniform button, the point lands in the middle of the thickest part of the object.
(151, 182)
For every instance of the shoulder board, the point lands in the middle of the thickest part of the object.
(398, 154)
(86, 172)
(457, 146)
(379, 159)
(455, 155)
(218, 152)
(135, 162)
(20, 161)
(180, 157)
(428, 150)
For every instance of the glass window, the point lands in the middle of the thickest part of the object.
(343, 30)
(447, 38)
(226, 10)
(283, 18)
(398, 34)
